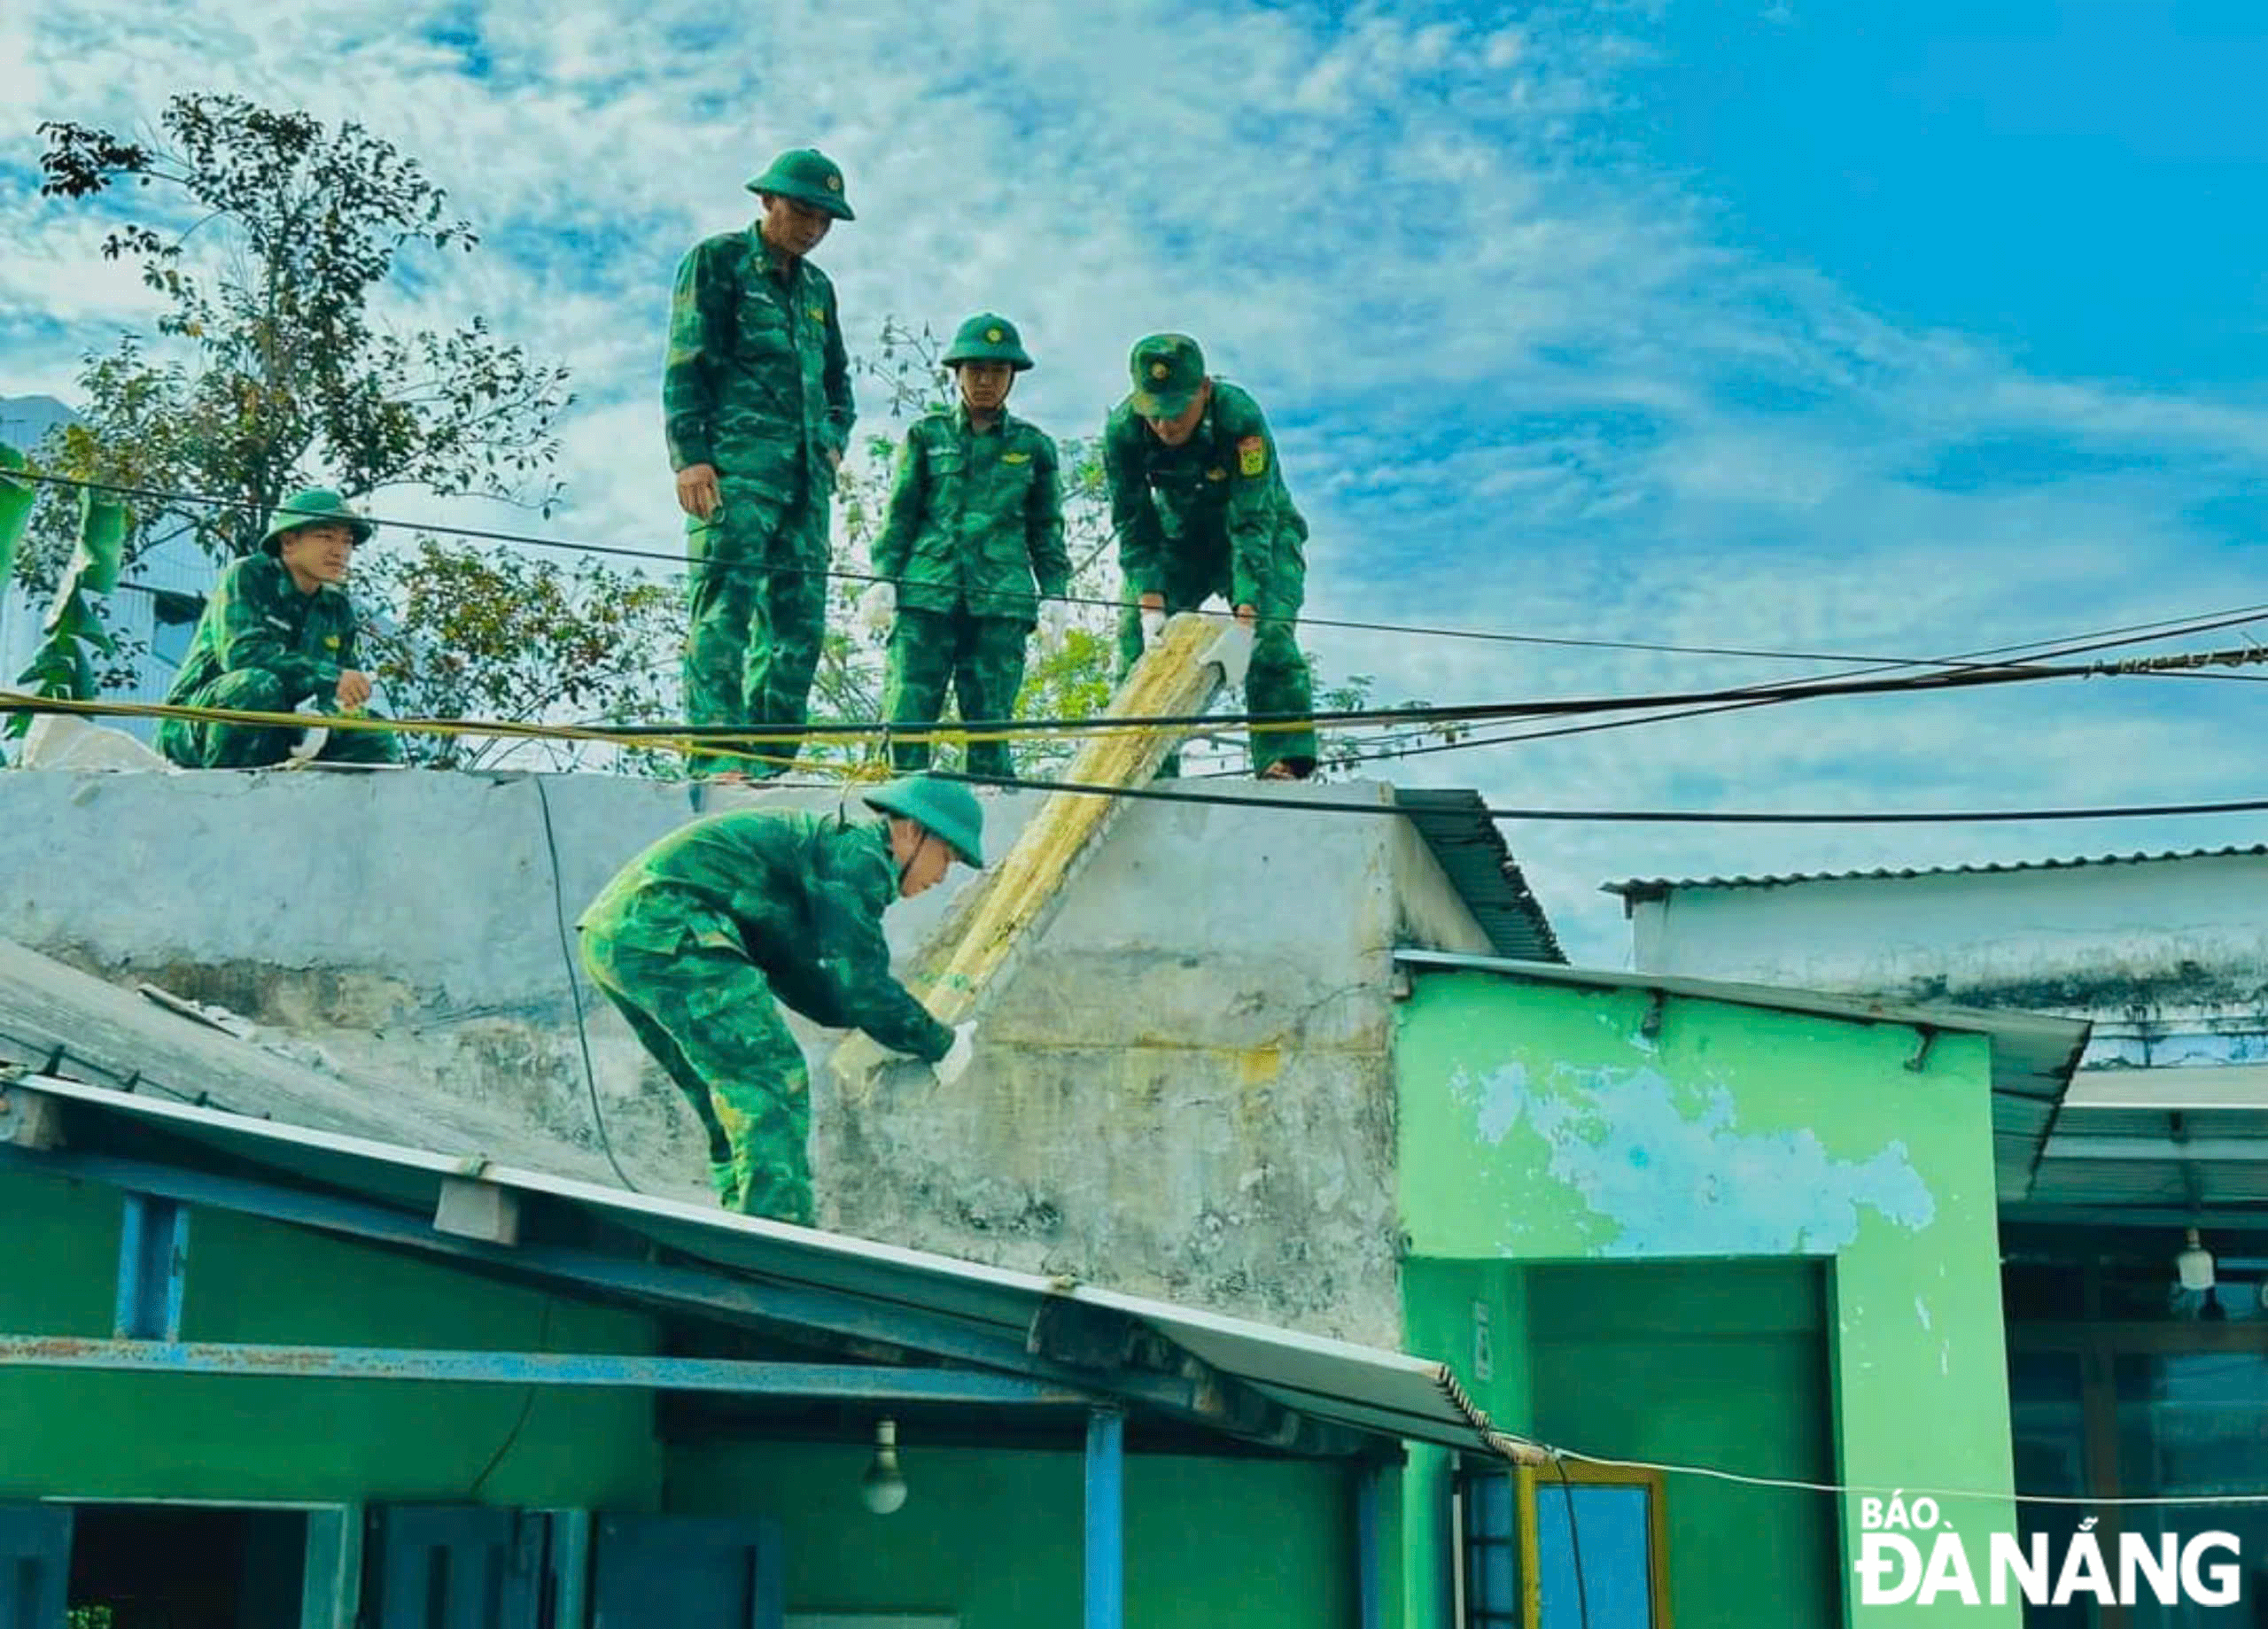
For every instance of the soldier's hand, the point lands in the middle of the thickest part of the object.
(1054, 617)
(353, 689)
(696, 491)
(948, 1068)
(1154, 602)
(1245, 614)
(878, 605)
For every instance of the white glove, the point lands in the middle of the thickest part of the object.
(311, 739)
(1054, 617)
(948, 1068)
(878, 605)
(1153, 624)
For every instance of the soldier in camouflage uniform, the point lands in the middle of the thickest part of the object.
(696, 938)
(976, 514)
(756, 405)
(278, 630)
(1199, 508)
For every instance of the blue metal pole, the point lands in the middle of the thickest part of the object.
(874, 1383)
(152, 1267)
(1106, 1572)
(1369, 1570)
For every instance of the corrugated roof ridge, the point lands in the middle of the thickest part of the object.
(1639, 885)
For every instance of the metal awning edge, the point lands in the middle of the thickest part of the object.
(1367, 1388)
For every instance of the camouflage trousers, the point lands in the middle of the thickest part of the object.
(982, 657)
(251, 746)
(1277, 681)
(707, 1015)
(755, 616)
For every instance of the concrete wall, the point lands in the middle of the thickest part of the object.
(1184, 1089)
(1541, 1124)
(2167, 957)
(2053, 934)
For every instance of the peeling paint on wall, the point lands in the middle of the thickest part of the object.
(1678, 1183)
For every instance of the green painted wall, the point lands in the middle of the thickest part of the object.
(1210, 1544)
(226, 1437)
(1540, 1123)
(1705, 1363)
(1439, 1302)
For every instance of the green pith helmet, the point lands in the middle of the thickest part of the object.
(946, 807)
(317, 505)
(988, 337)
(809, 176)
(1168, 369)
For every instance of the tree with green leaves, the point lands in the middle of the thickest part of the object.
(267, 236)
(500, 635)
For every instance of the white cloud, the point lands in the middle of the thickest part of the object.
(1518, 377)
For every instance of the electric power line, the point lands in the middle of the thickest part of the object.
(1861, 662)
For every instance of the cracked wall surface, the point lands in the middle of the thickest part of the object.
(1185, 1088)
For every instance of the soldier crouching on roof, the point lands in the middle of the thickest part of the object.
(278, 630)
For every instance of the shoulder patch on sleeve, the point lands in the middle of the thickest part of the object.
(1251, 455)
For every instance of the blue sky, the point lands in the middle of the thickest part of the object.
(1768, 323)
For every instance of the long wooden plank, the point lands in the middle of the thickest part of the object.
(1180, 676)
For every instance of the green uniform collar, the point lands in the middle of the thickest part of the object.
(773, 260)
(966, 424)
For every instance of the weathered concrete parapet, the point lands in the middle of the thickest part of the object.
(1185, 1087)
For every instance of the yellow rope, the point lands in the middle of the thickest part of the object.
(734, 745)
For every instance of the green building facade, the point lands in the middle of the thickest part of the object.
(1674, 1225)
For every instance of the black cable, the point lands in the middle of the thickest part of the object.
(1574, 1540)
(1865, 662)
(574, 989)
(1971, 676)
(1684, 817)
(527, 1406)
(2101, 639)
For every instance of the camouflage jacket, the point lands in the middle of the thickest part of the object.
(757, 379)
(801, 894)
(257, 618)
(973, 517)
(1220, 493)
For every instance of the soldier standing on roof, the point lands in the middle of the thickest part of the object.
(757, 409)
(975, 513)
(1199, 508)
(278, 630)
(697, 937)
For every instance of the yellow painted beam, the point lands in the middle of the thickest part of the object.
(1192, 661)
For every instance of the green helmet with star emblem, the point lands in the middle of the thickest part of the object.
(988, 337)
(1169, 370)
(946, 808)
(316, 506)
(809, 176)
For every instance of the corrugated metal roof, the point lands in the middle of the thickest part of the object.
(1363, 1388)
(1456, 827)
(1651, 888)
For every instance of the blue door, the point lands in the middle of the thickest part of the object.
(458, 1567)
(35, 1565)
(686, 1572)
